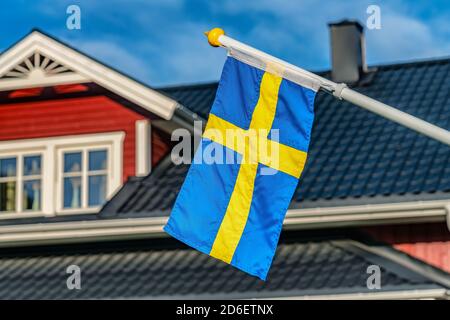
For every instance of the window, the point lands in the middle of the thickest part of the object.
(85, 175)
(72, 180)
(8, 181)
(97, 177)
(59, 175)
(20, 183)
(31, 183)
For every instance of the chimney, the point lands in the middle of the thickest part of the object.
(348, 57)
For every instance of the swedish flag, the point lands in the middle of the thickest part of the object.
(234, 210)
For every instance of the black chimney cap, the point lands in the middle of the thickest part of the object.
(347, 22)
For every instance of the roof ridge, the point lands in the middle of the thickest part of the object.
(413, 62)
(400, 63)
(188, 85)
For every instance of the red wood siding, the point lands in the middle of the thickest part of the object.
(429, 242)
(75, 116)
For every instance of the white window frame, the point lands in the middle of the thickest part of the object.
(19, 179)
(84, 174)
(51, 161)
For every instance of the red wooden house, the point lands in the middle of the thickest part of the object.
(72, 130)
(86, 179)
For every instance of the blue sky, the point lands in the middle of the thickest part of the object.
(161, 42)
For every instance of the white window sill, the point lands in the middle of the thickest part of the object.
(68, 212)
(20, 215)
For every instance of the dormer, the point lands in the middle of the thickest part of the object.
(72, 130)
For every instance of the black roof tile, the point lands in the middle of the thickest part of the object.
(198, 98)
(139, 269)
(354, 155)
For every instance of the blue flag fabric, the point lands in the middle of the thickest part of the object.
(233, 208)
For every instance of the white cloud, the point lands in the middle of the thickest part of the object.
(402, 37)
(186, 54)
(166, 45)
(302, 26)
(114, 55)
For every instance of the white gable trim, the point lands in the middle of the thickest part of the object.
(38, 71)
(84, 69)
(143, 147)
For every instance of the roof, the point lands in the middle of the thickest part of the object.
(355, 157)
(198, 97)
(313, 265)
(58, 63)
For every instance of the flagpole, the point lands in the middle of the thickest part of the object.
(217, 37)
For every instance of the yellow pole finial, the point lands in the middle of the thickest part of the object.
(213, 36)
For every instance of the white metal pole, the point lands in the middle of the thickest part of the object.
(396, 115)
(231, 44)
(217, 37)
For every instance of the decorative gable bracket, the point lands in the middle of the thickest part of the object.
(38, 70)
